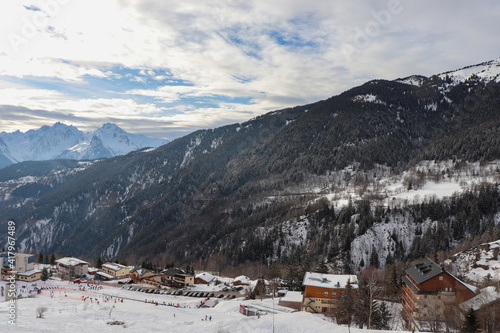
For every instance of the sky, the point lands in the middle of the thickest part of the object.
(165, 68)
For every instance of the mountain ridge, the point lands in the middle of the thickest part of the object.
(61, 141)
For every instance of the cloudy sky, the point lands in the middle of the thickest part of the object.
(164, 68)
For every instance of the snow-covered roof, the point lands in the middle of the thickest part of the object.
(68, 261)
(329, 280)
(292, 296)
(108, 276)
(475, 290)
(205, 276)
(113, 266)
(29, 273)
(242, 279)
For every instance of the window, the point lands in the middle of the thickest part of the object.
(440, 278)
(334, 294)
(325, 293)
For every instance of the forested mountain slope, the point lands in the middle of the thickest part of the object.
(309, 181)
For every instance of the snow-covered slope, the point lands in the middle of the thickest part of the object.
(479, 264)
(486, 71)
(63, 141)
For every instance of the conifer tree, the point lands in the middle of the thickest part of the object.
(345, 309)
(99, 262)
(470, 324)
(322, 267)
(52, 259)
(45, 274)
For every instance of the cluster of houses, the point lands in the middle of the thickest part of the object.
(21, 263)
(428, 289)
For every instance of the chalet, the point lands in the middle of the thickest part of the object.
(204, 278)
(139, 274)
(322, 291)
(29, 276)
(116, 270)
(428, 290)
(241, 280)
(71, 268)
(176, 277)
(153, 280)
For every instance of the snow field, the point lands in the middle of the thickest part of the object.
(66, 312)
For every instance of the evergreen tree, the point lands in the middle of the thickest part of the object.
(322, 267)
(305, 267)
(45, 274)
(470, 324)
(40, 258)
(382, 318)
(333, 251)
(46, 260)
(345, 309)
(393, 285)
(52, 259)
(374, 260)
(274, 272)
(291, 278)
(99, 262)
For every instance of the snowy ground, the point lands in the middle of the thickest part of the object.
(67, 312)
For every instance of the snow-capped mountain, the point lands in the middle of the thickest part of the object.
(108, 141)
(61, 141)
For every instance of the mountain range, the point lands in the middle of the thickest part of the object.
(354, 179)
(61, 141)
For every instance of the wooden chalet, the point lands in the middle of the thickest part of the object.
(322, 291)
(428, 291)
(176, 277)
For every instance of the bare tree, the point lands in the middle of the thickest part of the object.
(40, 311)
(369, 290)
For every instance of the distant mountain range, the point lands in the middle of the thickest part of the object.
(61, 141)
(308, 182)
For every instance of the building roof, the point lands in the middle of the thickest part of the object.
(292, 296)
(205, 276)
(424, 271)
(173, 272)
(113, 266)
(68, 261)
(107, 276)
(331, 281)
(140, 271)
(242, 279)
(29, 273)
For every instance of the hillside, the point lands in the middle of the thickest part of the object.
(311, 181)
